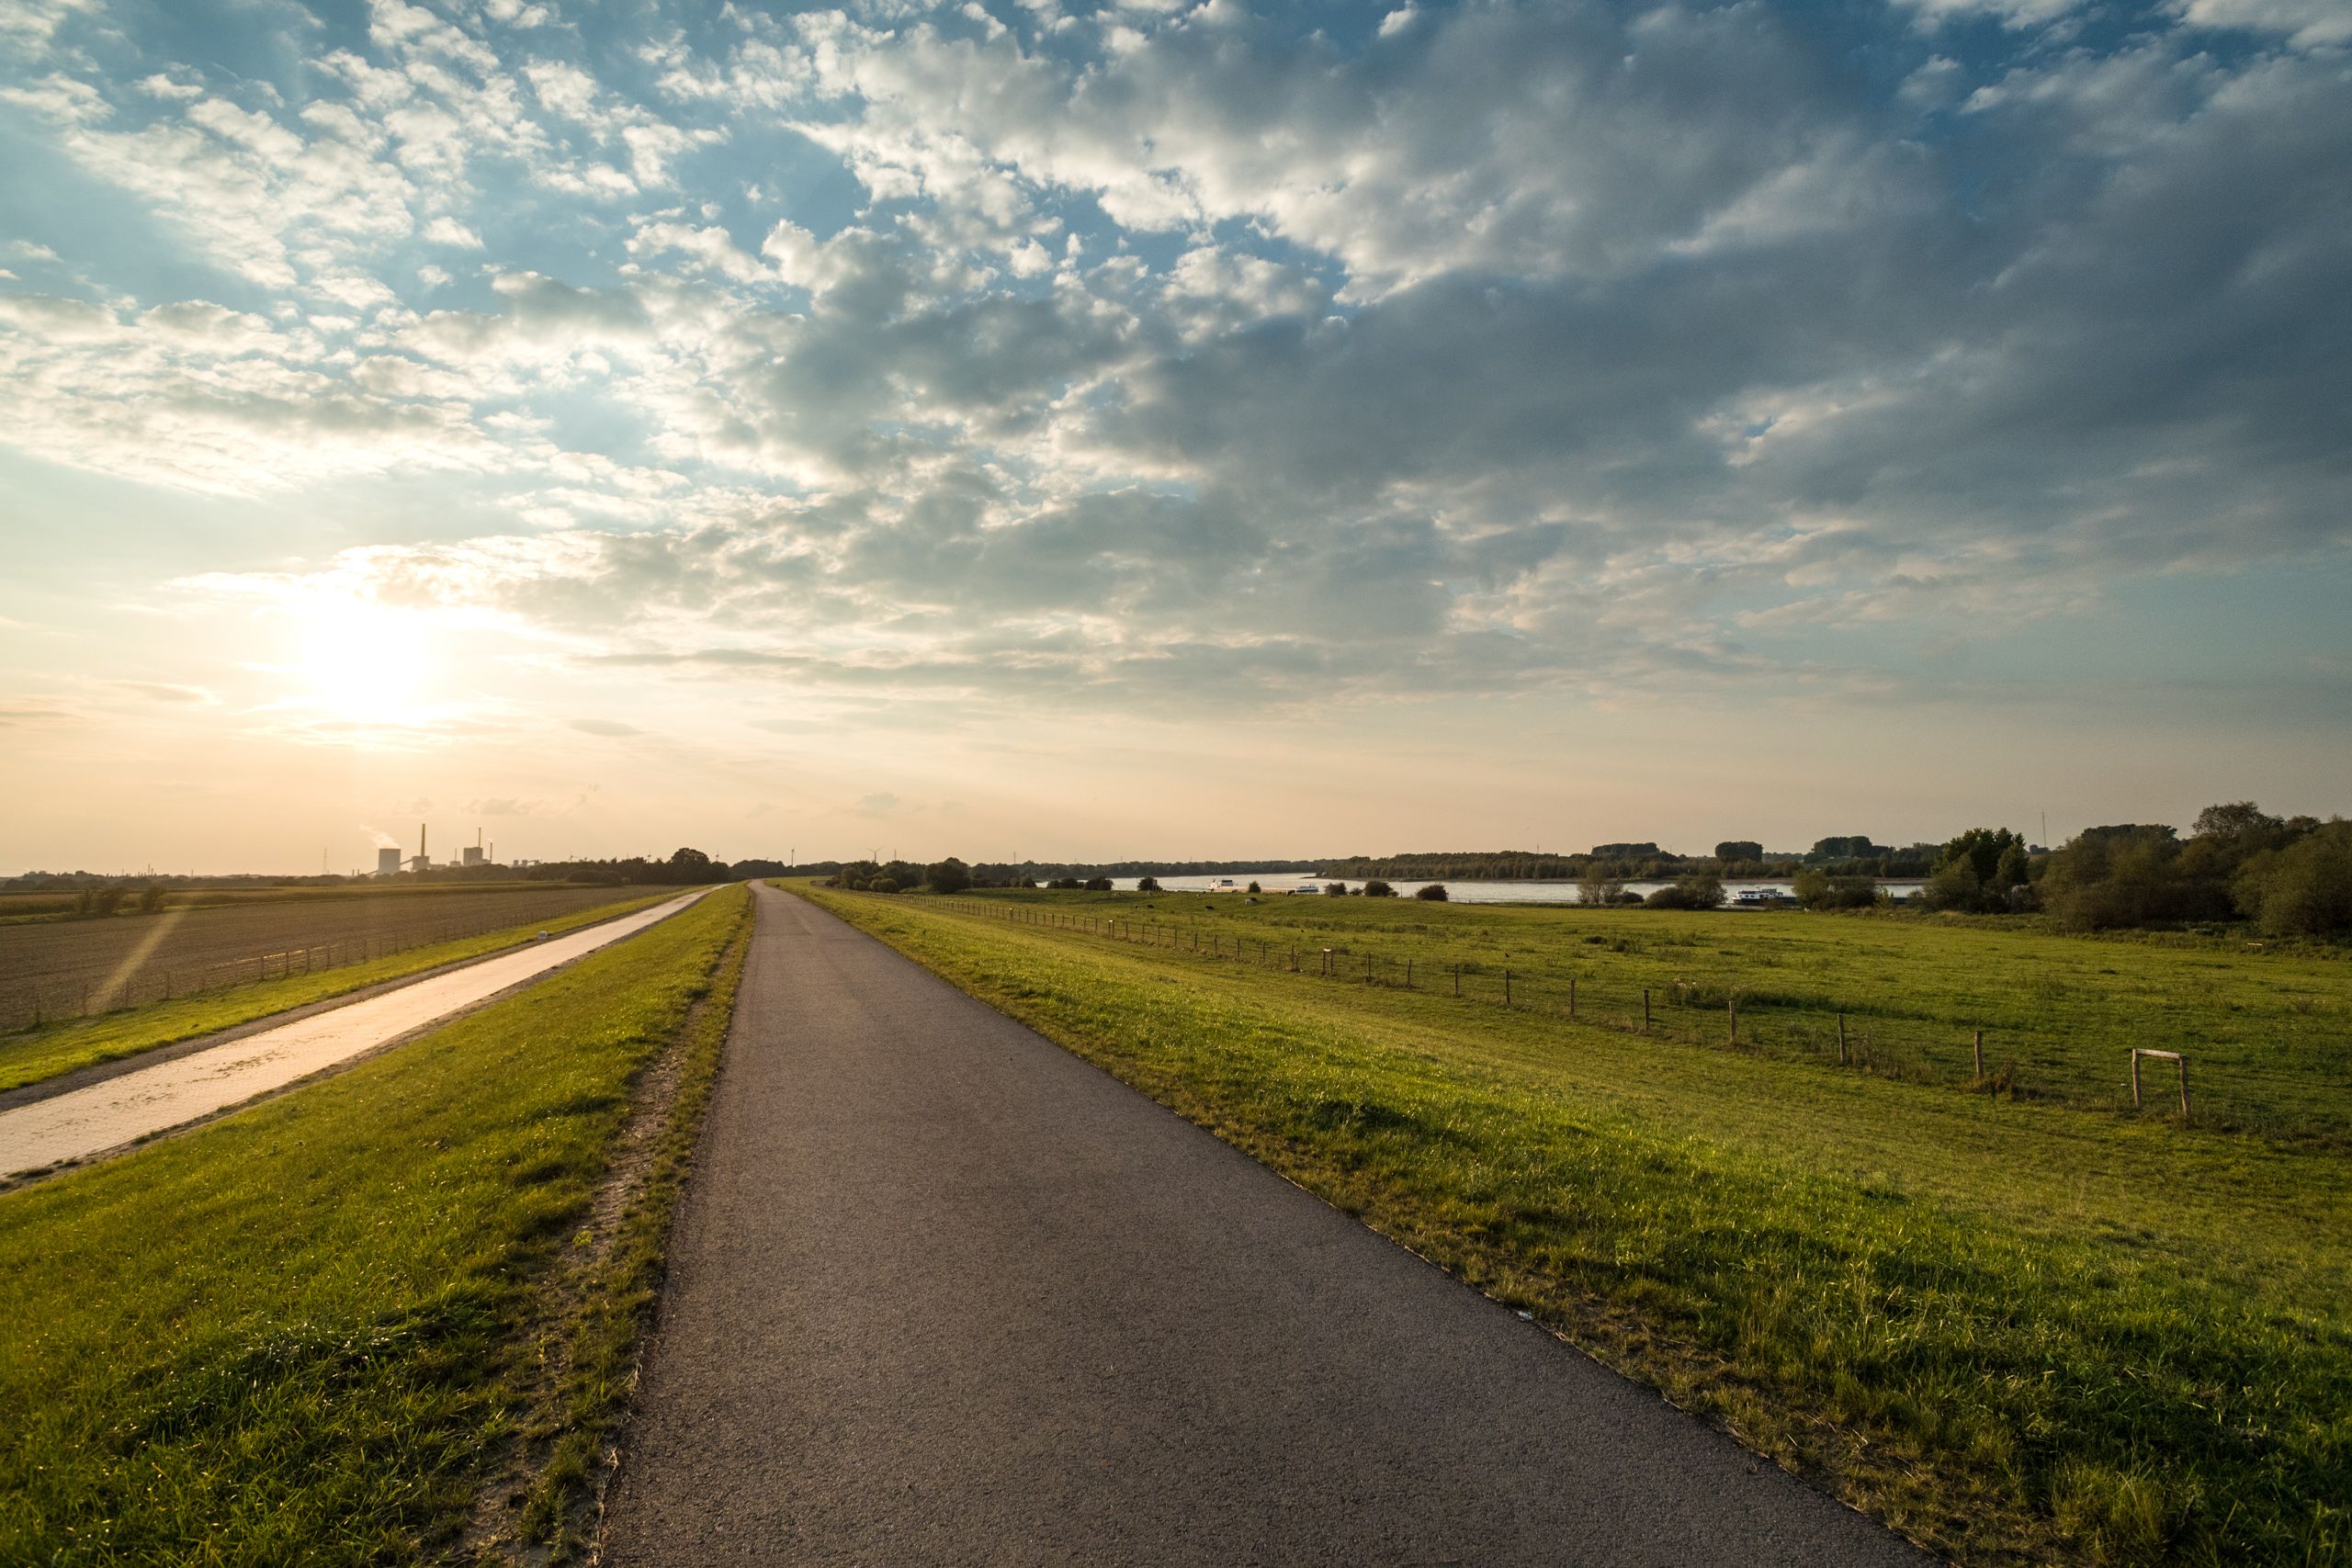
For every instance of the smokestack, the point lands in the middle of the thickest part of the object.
(420, 841)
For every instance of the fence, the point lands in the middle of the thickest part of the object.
(1713, 1013)
(55, 1001)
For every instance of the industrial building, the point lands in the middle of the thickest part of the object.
(387, 861)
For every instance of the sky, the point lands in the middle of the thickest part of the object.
(1029, 429)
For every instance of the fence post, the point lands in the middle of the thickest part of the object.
(1978, 1047)
(2135, 1080)
(1645, 1010)
(1408, 973)
(1841, 1039)
(1327, 960)
(1506, 987)
(1572, 999)
(2182, 1063)
(1457, 979)
(1733, 1003)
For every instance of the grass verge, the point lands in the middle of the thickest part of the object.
(33, 1056)
(2017, 1332)
(297, 1334)
(2269, 1034)
(586, 1346)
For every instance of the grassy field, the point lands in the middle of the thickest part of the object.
(2017, 1330)
(75, 967)
(2268, 1033)
(302, 1333)
(30, 1056)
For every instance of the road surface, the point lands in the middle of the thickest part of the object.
(110, 1115)
(941, 1292)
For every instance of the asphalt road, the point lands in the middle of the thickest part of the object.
(943, 1293)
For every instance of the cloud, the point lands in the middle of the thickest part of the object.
(1197, 356)
(501, 806)
(607, 727)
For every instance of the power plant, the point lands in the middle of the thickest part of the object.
(476, 855)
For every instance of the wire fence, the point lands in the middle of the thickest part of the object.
(1715, 1013)
(53, 1002)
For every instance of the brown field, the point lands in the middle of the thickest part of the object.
(63, 969)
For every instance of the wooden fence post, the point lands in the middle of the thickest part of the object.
(1841, 1039)
(1733, 1003)
(1457, 979)
(1506, 987)
(1645, 1010)
(1977, 1046)
(1572, 999)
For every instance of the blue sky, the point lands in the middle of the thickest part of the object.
(1068, 429)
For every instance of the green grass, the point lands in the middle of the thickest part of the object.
(32, 1055)
(2269, 1034)
(295, 1335)
(2015, 1330)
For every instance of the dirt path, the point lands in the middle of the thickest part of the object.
(941, 1293)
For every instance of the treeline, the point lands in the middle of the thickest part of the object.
(2288, 875)
(1851, 855)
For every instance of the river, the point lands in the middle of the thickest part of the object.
(1467, 892)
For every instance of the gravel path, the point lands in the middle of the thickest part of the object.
(944, 1293)
(107, 1116)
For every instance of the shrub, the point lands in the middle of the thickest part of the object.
(1097, 885)
(1255, 888)
(1817, 889)
(882, 884)
(1334, 889)
(1433, 892)
(1701, 890)
(1147, 885)
(1376, 888)
(2304, 889)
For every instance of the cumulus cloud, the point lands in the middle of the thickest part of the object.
(1197, 354)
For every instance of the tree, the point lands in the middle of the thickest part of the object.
(150, 897)
(1433, 892)
(1334, 889)
(1147, 885)
(950, 875)
(1097, 885)
(1600, 888)
(1699, 890)
(1977, 871)
(691, 865)
(1255, 888)
(1375, 889)
(882, 884)
(2304, 889)
(1732, 850)
(1817, 889)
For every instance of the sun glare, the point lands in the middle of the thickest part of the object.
(366, 663)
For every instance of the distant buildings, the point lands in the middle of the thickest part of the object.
(387, 861)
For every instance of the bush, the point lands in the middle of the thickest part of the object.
(882, 884)
(1255, 888)
(1433, 892)
(1376, 888)
(1701, 890)
(950, 875)
(2304, 889)
(1147, 885)
(1097, 885)
(1334, 889)
(1817, 889)
(150, 897)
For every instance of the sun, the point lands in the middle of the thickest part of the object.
(368, 663)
